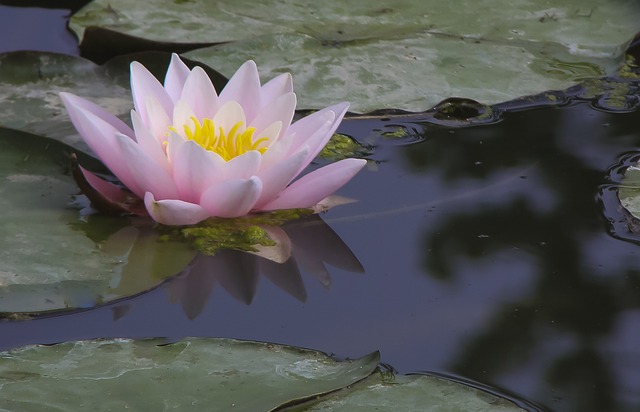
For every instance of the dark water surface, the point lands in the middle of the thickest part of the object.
(495, 252)
(486, 253)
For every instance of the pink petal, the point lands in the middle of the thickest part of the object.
(182, 114)
(277, 151)
(312, 188)
(108, 190)
(228, 115)
(271, 133)
(176, 76)
(244, 88)
(232, 198)
(174, 141)
(148, 142)
(158, 121)
(275, 179)
(318, 142)
(281, 109)
(143, 85)
(149, 176)
(243, 166)
(174, 212)
(200, 94)
(104, 195)
(195, 169)
(276, 87)
(318, 137)
(306, 125)
(72, 102)
(306, 129)
(100, 136)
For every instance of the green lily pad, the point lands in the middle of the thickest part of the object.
(194, 374)
(409, 55)
(423, 393)
(31, 81)
(53, 258)
(629, 191)
(219, 374)
(29, 87)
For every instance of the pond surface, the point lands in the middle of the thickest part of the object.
(495, 252)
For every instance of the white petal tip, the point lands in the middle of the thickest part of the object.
(174, 212)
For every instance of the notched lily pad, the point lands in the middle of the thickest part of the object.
(194, 374)
(406, 55)
(48, 261)
(219, 374)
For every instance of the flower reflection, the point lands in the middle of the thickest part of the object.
(308, 244)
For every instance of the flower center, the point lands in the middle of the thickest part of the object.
(228, 144)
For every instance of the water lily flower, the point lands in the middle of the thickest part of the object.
(193, 153)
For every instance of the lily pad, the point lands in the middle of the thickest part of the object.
(629, 191)
(31, 81)
(414, 393)
(219, 374)
(52, 257)
(194, 374)
(408, 55)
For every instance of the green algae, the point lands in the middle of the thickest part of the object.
(245, 233)
(341, 146)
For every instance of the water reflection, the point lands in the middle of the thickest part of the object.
(488, 256)
(308, 244)
(549, 219)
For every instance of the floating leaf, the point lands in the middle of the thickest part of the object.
(408, 55)
(29, 87)
(30, 83)
(219, 374)
(629, 191)
(423, 393)
(51, 258)
(194, 374)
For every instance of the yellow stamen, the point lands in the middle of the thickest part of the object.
(227, 144)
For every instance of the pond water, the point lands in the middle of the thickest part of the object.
(495, 252)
